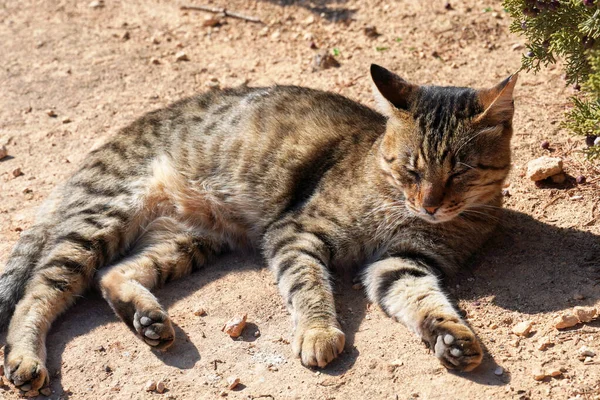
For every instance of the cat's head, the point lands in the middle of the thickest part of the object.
(446, 149)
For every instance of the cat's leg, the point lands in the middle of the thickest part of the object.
(408, 290)
(164, 252)
(299, 259)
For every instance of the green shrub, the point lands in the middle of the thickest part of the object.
(569, 29)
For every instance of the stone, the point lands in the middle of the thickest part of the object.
(181, 56)
(566, 320)
(200, 312)
(585, 351)
(538, 374)
(544, 343)
(51, 113)
(499, 371)
(232, 382)
(544, 167)
(150, 386)
(585, 314)
(17, 172)
(3, 152)
(160, 387)
(522, 328)
(324, 60)
(235, 326)
(96, 4)
(588, 361)
(554, 372)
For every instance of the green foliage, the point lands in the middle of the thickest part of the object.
(569, 30)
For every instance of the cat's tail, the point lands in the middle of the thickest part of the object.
(19, 270)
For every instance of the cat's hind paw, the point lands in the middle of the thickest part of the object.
(318, 346)
(25, 371)
(155, 328)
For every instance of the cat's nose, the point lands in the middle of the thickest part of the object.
(431, 210)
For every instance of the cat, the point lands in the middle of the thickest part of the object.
(315, 181)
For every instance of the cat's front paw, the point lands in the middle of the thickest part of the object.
(25, 371)
(455, 345)
(318, 345)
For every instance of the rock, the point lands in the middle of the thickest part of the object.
(585, 351)
(554, 372)
(51, 113)
(211, 21)
(309, 21)
(96, 4)
(324, 60)
(544, 343)
(150, 386)
(559, 178)
(580, 180)
(3, 152)
(200, 312)
(235, 326)
(223, 393)
(66, 120)
(17, 172)
(257, 334)
(160, 387)
(181, 56)
(588, 361)
(522, 328)
(578, 296)
(276, 35)
(517, 46)
(538, 374)
(499, 371)
(566, 320)
(232, 382)
(154, 61)
(213, 83)
(371, 31)
(544, 167)
(585, 314)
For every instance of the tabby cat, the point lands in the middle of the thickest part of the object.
(312, 179)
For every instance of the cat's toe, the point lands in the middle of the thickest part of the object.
(155, 328)
(27, 372)
(318, 346)
(456, 346)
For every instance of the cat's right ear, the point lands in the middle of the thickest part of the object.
(391, 92)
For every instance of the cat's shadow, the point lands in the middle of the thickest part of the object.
(528, 267)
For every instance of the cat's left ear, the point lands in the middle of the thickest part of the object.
(391, 92)
(497, 103)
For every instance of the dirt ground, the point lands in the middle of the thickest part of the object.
(97, 68)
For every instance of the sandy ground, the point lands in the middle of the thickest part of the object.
(99, 68)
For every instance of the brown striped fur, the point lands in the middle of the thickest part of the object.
(314, 180)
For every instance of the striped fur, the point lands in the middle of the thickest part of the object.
(314, 180)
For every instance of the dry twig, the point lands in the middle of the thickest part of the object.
(223, 11)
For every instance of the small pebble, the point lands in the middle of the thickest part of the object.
(154, 61)
(66, 120)
(448, 6)
(544, 167)
(3, 152)
(200, 312)
(371, 31)
(585, 351)
(257, 334)
(566, 320)
(554, 372)
(17, 172)
(223, 393)
(580, 179)
(325, 60)
(96, 4)
(150, 386)
(211, 21)
(585, 314)
(538, 374)
(232, 382)
(545, 145)
(588, 360)
(578, 296)
(522, 328)
(181, 56)
(499, 371)
(51, 113)
(160, 387)
(235, 326)
(544, 343)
